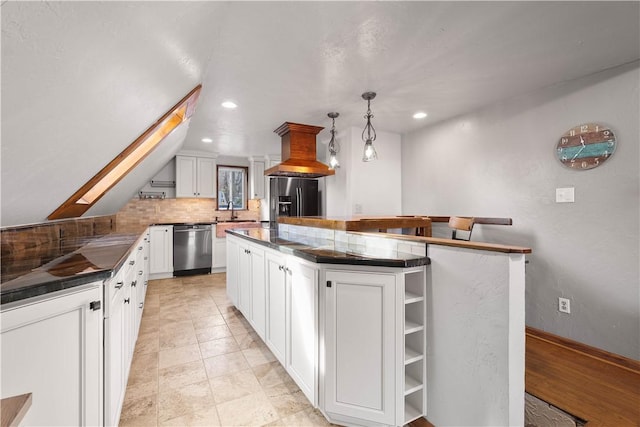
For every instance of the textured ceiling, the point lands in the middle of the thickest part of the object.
(81, 80)
(297, 61)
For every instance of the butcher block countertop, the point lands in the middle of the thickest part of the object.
(362, 223)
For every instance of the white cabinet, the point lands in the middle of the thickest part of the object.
(124, 296)
(276, 327)
(291, 328)
(233, 259)
(116, 348)
(195, 177)
(52, 348)
(219, 254)
(374, 336)
(244, 278)
(251, 284)
(360, 343)
(257, 180)
(302, 325)
(161, 251)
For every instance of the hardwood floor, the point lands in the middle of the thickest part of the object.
(598, 387)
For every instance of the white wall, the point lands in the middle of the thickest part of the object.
(500, 161)
(366, 188)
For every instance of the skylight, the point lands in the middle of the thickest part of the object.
(124, 162)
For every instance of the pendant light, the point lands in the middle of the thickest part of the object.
(369, 150)
(334, 147)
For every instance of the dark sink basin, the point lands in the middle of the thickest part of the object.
(236, 220)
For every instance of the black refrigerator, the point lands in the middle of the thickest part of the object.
(293, 197)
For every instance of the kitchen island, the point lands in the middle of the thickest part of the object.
(465, 366)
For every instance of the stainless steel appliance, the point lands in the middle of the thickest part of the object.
(294, 197)
(192, 249)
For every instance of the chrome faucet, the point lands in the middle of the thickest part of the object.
(233, 214)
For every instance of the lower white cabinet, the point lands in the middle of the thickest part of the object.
(233, 258)
(302, 325)
(219, 254)
(258, 311)
(276, 328)
(124, 304)
(374, 335)
(116, 349)
(52, 348)
(360, 344)
(161, 251)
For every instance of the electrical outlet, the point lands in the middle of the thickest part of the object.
(564, 305)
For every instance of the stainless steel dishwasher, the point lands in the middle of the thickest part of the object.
(192, 249)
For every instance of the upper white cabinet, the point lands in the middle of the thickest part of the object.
(52, 348)
(161, 251)
(195, 177)
(257, 181)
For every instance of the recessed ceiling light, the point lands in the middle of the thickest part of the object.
(229, 104)
(207, 140)
(420, 115)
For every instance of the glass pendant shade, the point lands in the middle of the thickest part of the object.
(334, 147)
(333, 161)
(369, 152)
(369, 133)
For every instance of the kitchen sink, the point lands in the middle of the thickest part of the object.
(236, 220)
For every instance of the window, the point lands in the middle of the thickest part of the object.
(232, 187)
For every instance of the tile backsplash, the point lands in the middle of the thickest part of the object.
(138, 213)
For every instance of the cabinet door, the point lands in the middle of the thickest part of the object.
(302, 291)
(186, 176)
(275, 333)
(257, 179)
(219, 253)
(53, 349)
(360, 345)
(115, 359)
(206, 177)
(233, 260)
(258, 291)
(244, 279)
(161, 250)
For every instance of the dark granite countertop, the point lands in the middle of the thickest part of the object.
(75, 262)
(323, 251)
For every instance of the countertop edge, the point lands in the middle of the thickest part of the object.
(492, 247)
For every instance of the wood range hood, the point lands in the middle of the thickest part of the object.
(299, 152)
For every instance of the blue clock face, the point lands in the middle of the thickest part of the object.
(586, 146)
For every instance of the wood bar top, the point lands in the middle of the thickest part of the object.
(361, 223)
(14, 409)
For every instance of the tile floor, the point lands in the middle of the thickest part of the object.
(197, 362)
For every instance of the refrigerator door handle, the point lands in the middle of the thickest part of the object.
(301, 202)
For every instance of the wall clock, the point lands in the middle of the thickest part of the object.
(586, 146)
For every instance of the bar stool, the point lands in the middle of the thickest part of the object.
(458, 224)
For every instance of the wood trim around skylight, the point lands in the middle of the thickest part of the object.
(83, 199)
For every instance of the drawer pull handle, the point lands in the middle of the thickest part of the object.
(127, 300)
(119, 283)
(132, 262)
(141, 304)
(134, 283)
(140, 273)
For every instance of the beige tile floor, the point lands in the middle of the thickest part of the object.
(197, 362)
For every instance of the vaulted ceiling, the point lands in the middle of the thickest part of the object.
(82, 80)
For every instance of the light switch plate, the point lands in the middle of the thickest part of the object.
(565, 195)
(358, 208)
